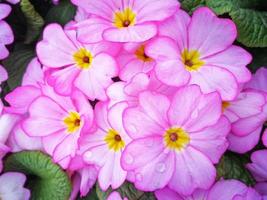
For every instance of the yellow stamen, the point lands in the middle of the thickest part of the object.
(191, 60)
(225, 105)
(72, 122)
(141, 55)
(124, 18)
(83, 58)
(114, 140)
(176, 138)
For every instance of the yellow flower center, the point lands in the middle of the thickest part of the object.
(141, 55)
(83, 58)
(125, 18)
(114, 140)
(191, 60)
(176, 138)
(72, 122)
(225, 104)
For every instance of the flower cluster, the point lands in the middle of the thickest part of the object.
(140, 91)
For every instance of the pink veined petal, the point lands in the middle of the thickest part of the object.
(95, 80)
(163, 49)
(150, 147)
(259, 80)
(21, 98)
(167, 194)
(91, 30)
(62, 79)
(193, 170)
(258, 167)
(183, 104)
(264, 138)
(3, 74)
(175, 27)
(114, 196)
(7, 122)
(209, 34)
(50, 142)
(46, 117)
(226, 189)
(210, 79)
(212, 140)
(118, 175)
(146, 10)
(235, 59)
(101, 116)
(6, 34)
(33, 74)
(56, 43)
(115, 93)
(3, 51)
(245, 143)
(137, 84)
(207, 112)
(88, 178)
(12, 182)
(155, 174)
(261, 188)
(5, 9)
(136, 33)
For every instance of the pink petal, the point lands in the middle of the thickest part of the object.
(210, 79)
(264, 138)
(6, 34)
(101, 116)
(3, 74)
(7, 122)
(258, 166)
(234, 59)
(56, 43)
(136, 33)
(5, 9)
(259, 80)
(210, 34)
(114, 196)
(33, 74)
(212, 140)
(245, 143)
(105, 173)
(167, 194)
(193, 170)
(50, 142)
(3, 51)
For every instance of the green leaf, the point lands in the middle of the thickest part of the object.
(232, 166)
(34, 21)
(126, 190)
(191, 5)
(16, 64)
(46, 180)
(252, 27)
(61, 13)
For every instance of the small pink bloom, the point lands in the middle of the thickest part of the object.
(199, 50)
(115, 196)
(11, 186)
(59, 121)
(123, 21)
(179, 140)
(87, 67)
(258, 167)
(105, 145)
(6, 34)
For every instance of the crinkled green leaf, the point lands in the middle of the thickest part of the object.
(46, 180)
(191, 5)
(34, 21)
(252, 27)
(61, 13)
(126, 190)
(16, 64)
(232, 166)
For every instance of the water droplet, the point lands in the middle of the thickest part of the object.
(161, 167)
(129, 159)
(88, 155)
(166, 151)
(139, 177)
(194, 114)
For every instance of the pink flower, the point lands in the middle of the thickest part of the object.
(247, 116)
(11, 186)
(59, 121)
(221, 190)
(175, 143)
(86, 67)
(258, 167)
(13, 1)
(105, 145)
(3, 75)
(6, 34)
(115, 196)
(123, 21)
(199, 50)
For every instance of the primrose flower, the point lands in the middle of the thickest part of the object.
(175, 143)
(123, 20)
(221, 190)
(258, 166)
(6, 34)
(105, 145)
(59, 121)
(199, 50)
(11, 186)
(74, 65)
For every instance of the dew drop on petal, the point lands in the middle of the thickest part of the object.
(88, 155)
(161, 167)
(139, 177)
(194, 114)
